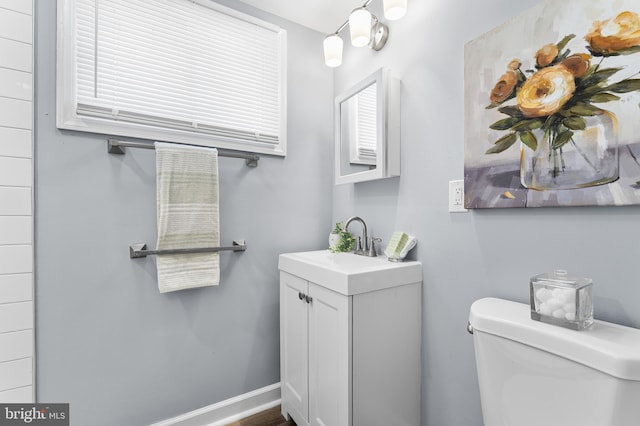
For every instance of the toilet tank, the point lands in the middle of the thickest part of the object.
(532, 373)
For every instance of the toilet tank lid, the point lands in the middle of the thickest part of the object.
(611, 348)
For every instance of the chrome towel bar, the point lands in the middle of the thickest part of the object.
(115, 146)
(139, 250)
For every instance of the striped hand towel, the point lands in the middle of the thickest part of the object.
(188, 217)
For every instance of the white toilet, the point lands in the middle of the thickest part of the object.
(532, 373)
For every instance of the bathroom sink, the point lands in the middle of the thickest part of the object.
(350, 274)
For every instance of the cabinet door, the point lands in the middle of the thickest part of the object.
(294, 348)
(329, 358)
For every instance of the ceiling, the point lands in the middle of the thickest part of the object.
(321, 15)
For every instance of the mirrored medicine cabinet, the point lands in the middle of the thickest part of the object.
(367, 130)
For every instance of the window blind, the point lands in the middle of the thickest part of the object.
(367, 124)
(365, 128)
(181, 65)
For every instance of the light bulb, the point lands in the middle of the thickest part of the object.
(360, 27)
(394, 9)
(333, 50)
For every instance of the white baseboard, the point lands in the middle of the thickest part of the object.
(230, 410)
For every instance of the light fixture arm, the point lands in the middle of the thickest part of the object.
(342, 27)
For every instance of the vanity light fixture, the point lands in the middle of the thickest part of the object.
(333, 50)
(365, 30)
(394, 9)
(360, 26)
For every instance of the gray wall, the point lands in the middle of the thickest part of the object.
(107, 341)
(480, 253)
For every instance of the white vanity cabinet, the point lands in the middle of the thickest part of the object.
(350, 339)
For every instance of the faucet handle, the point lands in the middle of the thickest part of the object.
(358, 247)
(372, 246)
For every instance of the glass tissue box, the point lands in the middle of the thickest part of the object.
(557, 298)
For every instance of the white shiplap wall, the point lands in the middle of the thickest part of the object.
(16, 202)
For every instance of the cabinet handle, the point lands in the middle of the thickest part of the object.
(300, 295)
(308, 299)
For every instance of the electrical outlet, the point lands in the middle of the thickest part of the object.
(456, 196)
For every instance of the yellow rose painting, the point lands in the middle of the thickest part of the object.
(570, 102)
(546, 92)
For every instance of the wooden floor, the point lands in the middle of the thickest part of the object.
(271, 417)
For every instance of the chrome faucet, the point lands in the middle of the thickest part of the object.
(369, 248)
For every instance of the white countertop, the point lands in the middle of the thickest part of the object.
(350, 274)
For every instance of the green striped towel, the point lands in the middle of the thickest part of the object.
(188, 217)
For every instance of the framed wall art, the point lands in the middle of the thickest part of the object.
(552, 107)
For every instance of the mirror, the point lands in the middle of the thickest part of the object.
(367, 130)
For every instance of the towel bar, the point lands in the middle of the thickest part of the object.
(115, 146)
(139, 250)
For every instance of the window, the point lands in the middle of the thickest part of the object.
(187, 71)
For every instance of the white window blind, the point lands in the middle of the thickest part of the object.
(177, 70)
(367, 124)
(364, 150)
